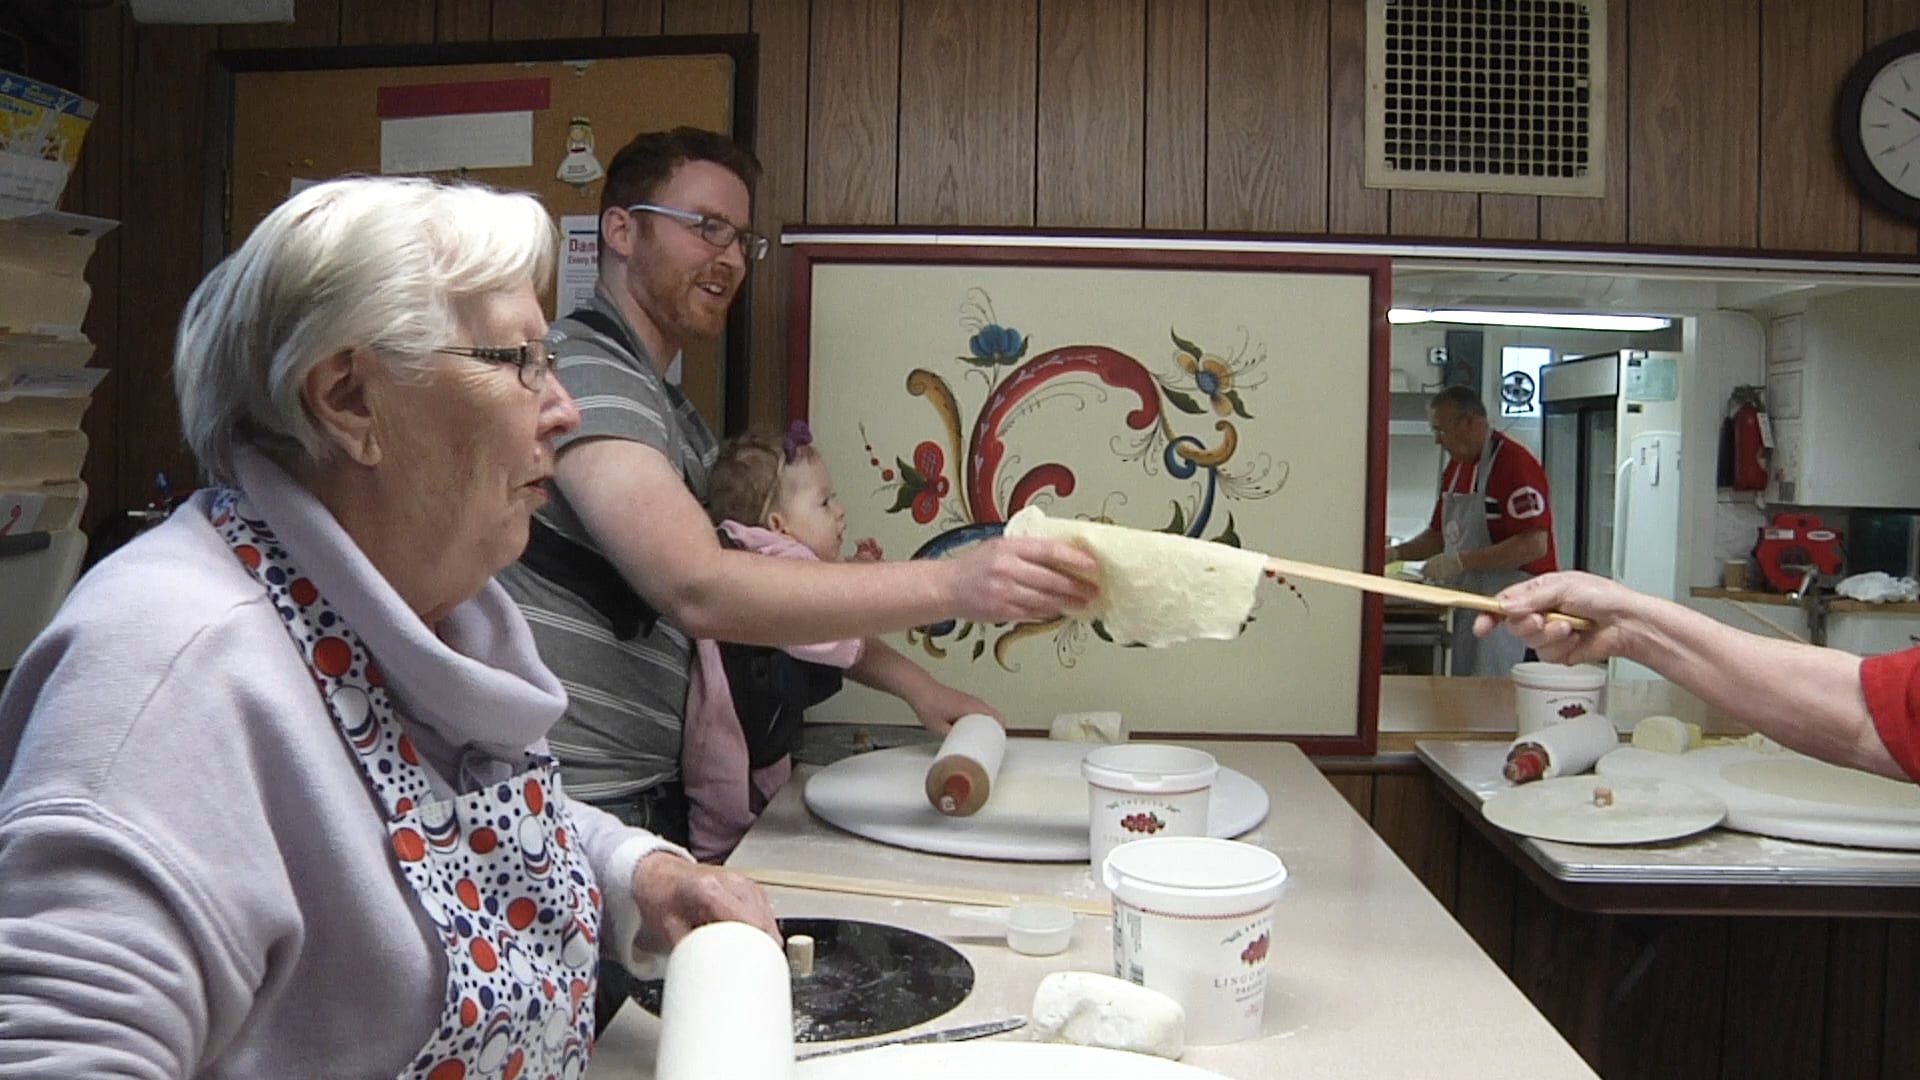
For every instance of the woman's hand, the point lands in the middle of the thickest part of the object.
(938, 706)
(1608, 604)
(677, 896)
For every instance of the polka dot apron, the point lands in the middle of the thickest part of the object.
(495, 870)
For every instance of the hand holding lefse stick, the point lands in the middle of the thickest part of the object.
(1603, 607)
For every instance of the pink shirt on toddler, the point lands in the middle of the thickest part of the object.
(725, 792)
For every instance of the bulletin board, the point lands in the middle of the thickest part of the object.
(282, 117)
(1232, 397)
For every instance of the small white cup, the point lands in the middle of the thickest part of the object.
(1032, 929)
(1145, 789)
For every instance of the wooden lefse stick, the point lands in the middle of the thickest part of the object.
(902, 890)
(1405, 590)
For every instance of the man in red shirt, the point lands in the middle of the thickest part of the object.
(1492, 526)
(1863, 714)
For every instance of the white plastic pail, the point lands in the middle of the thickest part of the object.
(1547, 694)
(1146, 789)
(1193, 919)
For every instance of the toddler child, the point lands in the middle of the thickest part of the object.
(746, 703)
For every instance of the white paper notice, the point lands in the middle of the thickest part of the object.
(52, 382)
(29, 185)
(417, 144)
(19, 511)
(579, 262)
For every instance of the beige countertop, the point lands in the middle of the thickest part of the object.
(1369, 976)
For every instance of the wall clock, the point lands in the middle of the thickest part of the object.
(1877, 123)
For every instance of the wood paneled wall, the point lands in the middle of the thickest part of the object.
(1160, 114)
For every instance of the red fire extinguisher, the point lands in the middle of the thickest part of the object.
(1746, 441)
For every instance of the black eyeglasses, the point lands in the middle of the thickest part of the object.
(533, 358)
(716, 231)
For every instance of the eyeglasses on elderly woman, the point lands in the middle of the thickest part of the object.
(533, 358)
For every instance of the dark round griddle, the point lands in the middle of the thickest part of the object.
(868, 979)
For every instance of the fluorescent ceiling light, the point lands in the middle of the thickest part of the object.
(1546, 320)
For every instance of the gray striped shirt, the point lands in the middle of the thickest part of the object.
(626, 700)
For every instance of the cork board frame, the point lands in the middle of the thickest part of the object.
(1233, 396)
(280, 115)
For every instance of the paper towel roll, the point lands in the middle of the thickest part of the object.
(962, 774)
(727, 1009)
(1563, 749)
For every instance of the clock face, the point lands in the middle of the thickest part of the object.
(1889, 122)
(1877, 124)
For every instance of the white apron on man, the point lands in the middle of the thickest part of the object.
(1463, 526)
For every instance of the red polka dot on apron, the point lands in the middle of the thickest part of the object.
(520, 913)
(408, 845)
(332, 657)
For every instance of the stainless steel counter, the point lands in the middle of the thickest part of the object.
(1718, 857)
(1370, 977)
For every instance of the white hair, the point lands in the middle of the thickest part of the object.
(381, 263)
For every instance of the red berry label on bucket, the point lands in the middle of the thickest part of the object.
(1255, 951)
(1571, 710)
(1148, 823)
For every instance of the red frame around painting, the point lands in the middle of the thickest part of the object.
(1377, 269)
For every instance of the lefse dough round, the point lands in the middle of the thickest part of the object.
(1816, 781)
(1157, 588)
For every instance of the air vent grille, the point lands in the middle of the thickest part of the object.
(1487, 95)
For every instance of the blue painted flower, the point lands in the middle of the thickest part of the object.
(1212, 377)
(996, 345)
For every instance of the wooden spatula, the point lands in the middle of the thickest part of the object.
(1405, 590)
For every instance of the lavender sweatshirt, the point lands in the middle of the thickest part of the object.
(194, 878)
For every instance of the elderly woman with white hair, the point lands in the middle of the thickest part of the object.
(277, 800)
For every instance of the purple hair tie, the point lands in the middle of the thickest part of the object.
(798, 435)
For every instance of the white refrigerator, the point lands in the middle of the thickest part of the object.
(1611, 447)
(1646, 533)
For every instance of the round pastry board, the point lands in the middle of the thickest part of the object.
(1643, 811)
(1038, 811)
(1054, 1061)
(868, 979)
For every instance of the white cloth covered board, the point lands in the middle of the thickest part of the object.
(1038, 811)
(1788, 795)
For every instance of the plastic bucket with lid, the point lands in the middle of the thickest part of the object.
(1193, 919)
(1140, 790)
(1548, 694)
